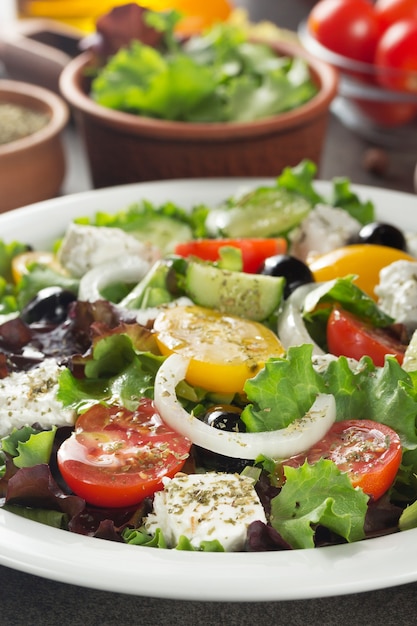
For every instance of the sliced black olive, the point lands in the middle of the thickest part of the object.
(382, 234)
(295, 271)
(212, 461)
(49, 305)
(224, 417)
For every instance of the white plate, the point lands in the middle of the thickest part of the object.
(66, 557)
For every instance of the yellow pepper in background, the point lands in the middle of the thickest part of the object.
(364, 260)
(82, 14)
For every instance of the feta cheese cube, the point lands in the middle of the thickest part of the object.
(205, 507)
(397, 292)
(85, 247)
(29, 397)
(324, 229)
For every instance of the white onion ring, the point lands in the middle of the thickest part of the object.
(291, 328)
(277, 444)
(127, 269)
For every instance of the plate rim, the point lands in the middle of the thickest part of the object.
(300, 574)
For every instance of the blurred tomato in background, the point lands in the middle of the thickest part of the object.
(382, 36)
(397, 51)
(348, 27)
(391, 11)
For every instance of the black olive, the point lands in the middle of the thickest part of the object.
(381, 234)
(295, 271)
(214, 462)
(224, 417)
(49, 305)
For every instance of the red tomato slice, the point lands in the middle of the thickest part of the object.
(350, 336)
(254, 251)
(116, 457)
(369, 452)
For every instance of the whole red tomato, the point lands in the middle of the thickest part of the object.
(391, 11)
(348, 27)
(387, 114)
(396, 56)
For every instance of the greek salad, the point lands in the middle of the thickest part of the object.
(239, 377)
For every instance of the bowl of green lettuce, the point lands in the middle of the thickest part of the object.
(214, 104)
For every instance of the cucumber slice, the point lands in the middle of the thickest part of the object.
(265, 212)
(253, 296)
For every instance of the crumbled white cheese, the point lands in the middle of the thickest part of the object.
(397, 292)
(206, 507)
(411, 241)
(324, 229)
(29, 397)
(144, 316)
(322, 361)
(85, 247)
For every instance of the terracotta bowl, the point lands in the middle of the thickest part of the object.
(125, 148)
(32, 168)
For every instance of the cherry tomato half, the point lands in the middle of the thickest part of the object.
(396, 56)
(390, 11)
(254, 251)
(350, 336)
(348, 27)
(116, 457)
(369, 452)
(225, 350)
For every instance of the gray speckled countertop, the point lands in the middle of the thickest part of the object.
(30, 601)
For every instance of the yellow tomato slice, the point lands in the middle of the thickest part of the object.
(21, 263)
(365, 260)
(225, 350)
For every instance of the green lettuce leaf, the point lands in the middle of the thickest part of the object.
(299, 179)
(382, 394)
(344, 198)
(7, 252)
(40, 277)
(408, 517)
(8, 291)
(81, 393)
(318, 494)
(56, 519)
(282, 391)
(139, 537)
(216, 76)
(286, 388)
(29, 446)
(350, 297)
(319, 304)
(116, 372)
(162, 225)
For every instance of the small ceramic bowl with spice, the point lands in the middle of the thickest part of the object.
(171, 120)
(32, 157)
